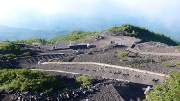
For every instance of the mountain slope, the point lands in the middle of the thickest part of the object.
(21, 33)
(144, 34)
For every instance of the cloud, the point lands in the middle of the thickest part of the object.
(165, 11)
(148, 8)
(151, 9)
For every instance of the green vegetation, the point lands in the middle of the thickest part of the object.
(30, 41)
(11, 50)
(177, 63)
(144, 34)
(55, 60)
(72, 36)
(84, 80)
(179, 46)
(169, 58)
(27, 80)
(121, 60)
(130, 30)
(140, 65)
(123, 54)
(26, 54)
(166, 64)
(169, 91)
(9, 56)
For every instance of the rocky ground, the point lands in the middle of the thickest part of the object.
(157, 47)
(108, 52)
(160, 64)
(104, 71)
(134, 60)
(100, 90)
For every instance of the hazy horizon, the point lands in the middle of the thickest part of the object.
(50, 15)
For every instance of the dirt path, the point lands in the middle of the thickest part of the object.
(103, 64)
(154, 53)
(104, 70)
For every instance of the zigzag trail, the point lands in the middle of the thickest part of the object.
(105, 71)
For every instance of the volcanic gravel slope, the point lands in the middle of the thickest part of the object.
(150, 62)
(106, 93)
(33, 60)
(108, 89)
(104, 90)
(156, 47)
(131, 82)
(105, 71)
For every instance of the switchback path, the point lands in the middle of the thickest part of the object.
(104, 71)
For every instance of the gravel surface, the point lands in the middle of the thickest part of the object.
(114, 83)
(156, 47)
(104, 90)
(105, 71)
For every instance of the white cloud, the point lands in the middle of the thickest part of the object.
(166, 11)
(151, 8)
(49, 6)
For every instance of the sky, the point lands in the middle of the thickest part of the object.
(148, 8)
(18, 12)
(164, 10)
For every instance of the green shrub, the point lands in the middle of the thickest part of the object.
(72, 36)
(140, 65)
(144, 34)
(26, 54)
(178, 46)
(27, 80)
(10, 48)
(122, 54)
(30, 41)
(10, 56)
(115, 52)
(169, 58)
(166, 64)
(168, 91)
(130, 66)
(1, 55)
(55, 60)
(177, 63)
(84, 80)
(121, 60)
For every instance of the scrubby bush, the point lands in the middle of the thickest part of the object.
(177, 63)
(27, 80)
(1, 55)
(168, 91)
(166, 64)
(178, 46)
(121, 60)
(144, 34)
(10, 56)
(55, 60)
(30, 41)
(122, 54)
(72, 36)
(10, 48)
(26, 54)
(84, 80)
